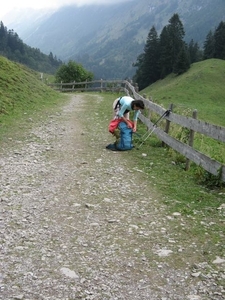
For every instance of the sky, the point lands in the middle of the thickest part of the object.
(9, 5)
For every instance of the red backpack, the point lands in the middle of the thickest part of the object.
(114, 124)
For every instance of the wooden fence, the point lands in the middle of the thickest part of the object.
(216, 132)
(90, 86)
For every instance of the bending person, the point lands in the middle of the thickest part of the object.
(122, 107)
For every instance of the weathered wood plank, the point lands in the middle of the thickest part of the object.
(213, 131)
(200, 159)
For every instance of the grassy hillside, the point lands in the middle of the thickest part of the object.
(21, 93)
(201, 88)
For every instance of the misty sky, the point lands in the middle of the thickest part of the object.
(9, 5)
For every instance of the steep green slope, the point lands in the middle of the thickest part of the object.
(21, 91)
(20, 87)
(201, 88)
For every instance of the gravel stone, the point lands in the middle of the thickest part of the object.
(71, 227)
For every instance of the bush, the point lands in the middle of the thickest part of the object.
(73, 72)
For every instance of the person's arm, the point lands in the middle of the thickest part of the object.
(135, 126)
(136, 113)
(122, 110)
(129, 125)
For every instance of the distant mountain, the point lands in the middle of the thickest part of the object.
(107, 39)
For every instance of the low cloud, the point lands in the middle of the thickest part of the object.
(86, 2)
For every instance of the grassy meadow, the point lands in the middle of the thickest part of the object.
(201, 89)
(23, 97)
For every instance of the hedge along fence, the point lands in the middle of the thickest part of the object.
(216, 132)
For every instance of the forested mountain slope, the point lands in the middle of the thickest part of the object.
(107, 39)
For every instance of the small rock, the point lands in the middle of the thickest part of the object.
(219, 260)
(196, 274)
(134, 226)
(94, 224)
(20, 248)
(222, 206)
(164, 252)
(112, 221)
(176, 214)
(89, 205)
(67, 272)
(18, 297)
(99, 160)
(193, 297)
(107, 200)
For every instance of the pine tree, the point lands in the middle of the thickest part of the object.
(176, 35)
(12, 47)
(148, 62)
(219, 37)
(139, 77)
(164, 46)
(171, 43)
(151, 58)
(164, 54)
(209, 46)
(182, 63)
(195, 53)
(3, 37)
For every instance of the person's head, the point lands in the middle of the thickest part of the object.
(137, 104)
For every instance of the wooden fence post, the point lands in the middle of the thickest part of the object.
(101, 86)
(191, 140)
(167, 127)
(136, 87)
(149, 111)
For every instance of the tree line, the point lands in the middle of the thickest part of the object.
(163, 54)
(168, 52)
(13, 48)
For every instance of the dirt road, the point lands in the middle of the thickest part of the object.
(76, 222)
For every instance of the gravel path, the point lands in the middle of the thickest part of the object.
(71, 227)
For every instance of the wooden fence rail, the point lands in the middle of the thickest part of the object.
(216, 132)
(87, 86)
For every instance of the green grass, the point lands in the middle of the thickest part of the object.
(23, 97)
(201, 88)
